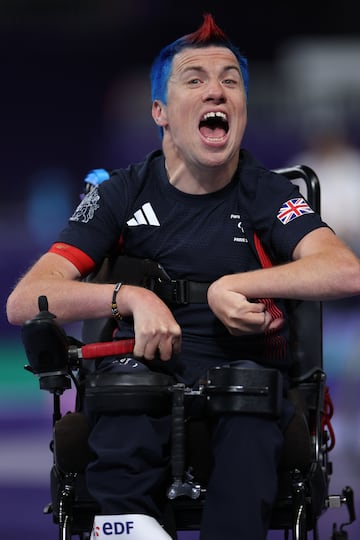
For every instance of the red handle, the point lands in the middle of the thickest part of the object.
(108, 348)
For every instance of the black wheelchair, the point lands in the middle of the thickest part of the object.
(61, 361)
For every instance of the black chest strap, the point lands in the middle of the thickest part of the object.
(178, 291)
(151, 275)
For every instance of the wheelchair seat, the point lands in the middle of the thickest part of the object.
(305, 469)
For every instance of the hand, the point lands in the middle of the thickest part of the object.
(237, 313)
(156, 330)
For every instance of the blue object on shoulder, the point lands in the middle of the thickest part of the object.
(96, 177)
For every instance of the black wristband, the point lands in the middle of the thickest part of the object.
(114, 309)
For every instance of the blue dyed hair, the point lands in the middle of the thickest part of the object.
(208, 34)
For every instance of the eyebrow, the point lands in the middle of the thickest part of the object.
(201, 69)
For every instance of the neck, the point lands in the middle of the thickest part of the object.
(198, 179)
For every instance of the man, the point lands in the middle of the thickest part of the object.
(208, 213)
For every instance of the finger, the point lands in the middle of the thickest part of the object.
(151, 349)
(267, 318)
(139, 349)
(176, 346)
(167, 348)
(165, 351)
(276, 324)
(146, 346)
(259, 319)
(257, 307)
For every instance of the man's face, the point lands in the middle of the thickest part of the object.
(205, 115)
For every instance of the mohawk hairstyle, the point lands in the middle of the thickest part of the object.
(209, 33)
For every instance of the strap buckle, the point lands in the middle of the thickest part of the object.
(180, 291)
(174, 291)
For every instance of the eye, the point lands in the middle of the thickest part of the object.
(194, 81)
(230, 82)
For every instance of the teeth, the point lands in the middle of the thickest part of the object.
(214, 115)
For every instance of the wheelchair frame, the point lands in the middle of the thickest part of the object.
(303, 481)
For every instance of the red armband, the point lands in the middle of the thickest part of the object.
(78, 258)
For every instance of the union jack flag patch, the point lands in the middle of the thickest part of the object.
(293, 209)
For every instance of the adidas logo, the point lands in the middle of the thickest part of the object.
(144, 216)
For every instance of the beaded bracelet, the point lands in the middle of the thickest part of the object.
(114, 309)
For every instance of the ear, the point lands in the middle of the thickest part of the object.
(158, 112)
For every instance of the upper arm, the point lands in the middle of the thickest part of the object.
(51, 265)
(317, 241)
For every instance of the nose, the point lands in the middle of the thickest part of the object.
(214, 90)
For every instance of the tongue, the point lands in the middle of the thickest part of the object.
(212, 133)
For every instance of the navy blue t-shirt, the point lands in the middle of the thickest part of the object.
(199, 238)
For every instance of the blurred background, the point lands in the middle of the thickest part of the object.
(75, 96)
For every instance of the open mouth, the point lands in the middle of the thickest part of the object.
(214, 125)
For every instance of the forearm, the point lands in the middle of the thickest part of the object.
(156, 331)
(73, 299)
(69, 297)
(315, 277)
(68, 300)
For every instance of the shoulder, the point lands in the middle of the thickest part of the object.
(253, 173)
(136, 173)
(259, 184)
